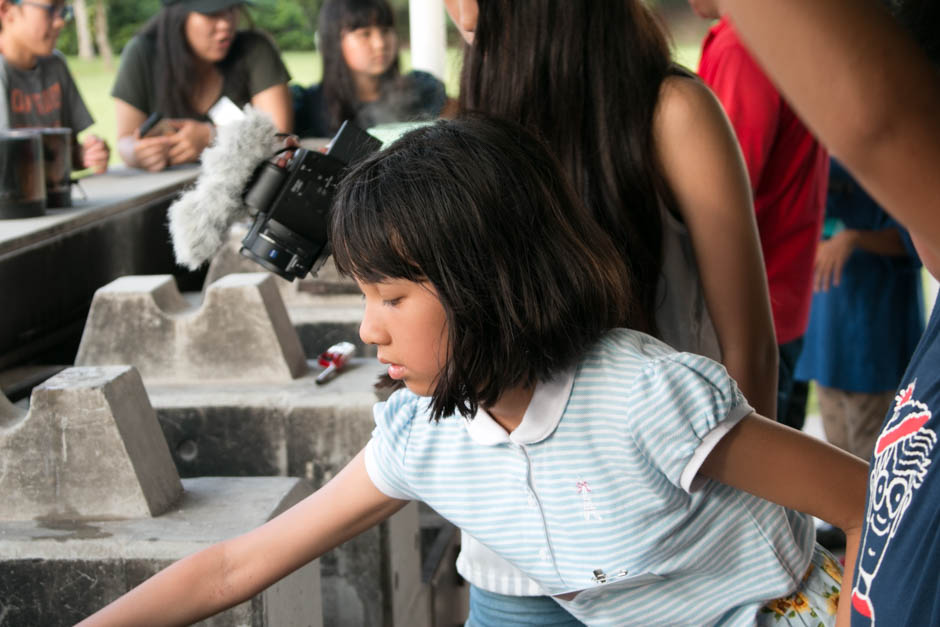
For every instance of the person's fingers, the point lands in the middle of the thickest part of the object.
(180, 152)
(152, 156)
(837, 271)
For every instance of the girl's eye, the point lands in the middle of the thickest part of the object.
(391, 302)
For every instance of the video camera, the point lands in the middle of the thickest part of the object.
(290, 232)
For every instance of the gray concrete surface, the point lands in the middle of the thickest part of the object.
(50, 266)
(301, 429)
(57, 572)
(89, 447)
(324, 309)
(240, 332)
(229, 261)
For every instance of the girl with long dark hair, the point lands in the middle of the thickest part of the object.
(651, 153)
(190, 58)
(361, 77)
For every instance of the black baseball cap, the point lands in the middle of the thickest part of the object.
(206, 6)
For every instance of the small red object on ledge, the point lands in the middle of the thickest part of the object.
(333, 359)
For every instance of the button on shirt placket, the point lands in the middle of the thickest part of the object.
(546, 554)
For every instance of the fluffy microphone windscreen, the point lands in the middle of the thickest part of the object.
(201, 216)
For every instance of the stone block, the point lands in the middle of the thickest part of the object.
(304, 430)
(240, 332)
(324, 309)
(56, 573)
(89, 447)
(230, 261)
(322, 320)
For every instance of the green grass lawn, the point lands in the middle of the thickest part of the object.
(95, 81)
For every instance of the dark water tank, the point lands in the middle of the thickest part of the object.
(22, 174)
(57, 158)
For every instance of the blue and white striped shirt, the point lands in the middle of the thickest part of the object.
(599, 480)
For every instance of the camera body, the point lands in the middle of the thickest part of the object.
(290, 232)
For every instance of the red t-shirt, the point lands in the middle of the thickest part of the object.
(788, 169)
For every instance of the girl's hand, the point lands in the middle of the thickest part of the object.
(95, 153)
(189, 140)
(831, 256)
(233, 571)
(150, 153)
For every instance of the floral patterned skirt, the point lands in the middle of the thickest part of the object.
(815, 602)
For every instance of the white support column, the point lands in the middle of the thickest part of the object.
(428, 36)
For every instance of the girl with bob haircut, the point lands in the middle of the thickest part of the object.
(625, 478)
(187, 59)
(362, 81)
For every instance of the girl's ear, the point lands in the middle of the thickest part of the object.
(6, 11)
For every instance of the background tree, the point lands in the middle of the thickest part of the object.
(85, 48)
(101, 33)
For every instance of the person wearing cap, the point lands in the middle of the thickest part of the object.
(191, 64)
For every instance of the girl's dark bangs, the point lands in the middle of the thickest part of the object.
(365, 14)
(368, 245)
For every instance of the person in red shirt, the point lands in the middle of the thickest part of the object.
(789, 170)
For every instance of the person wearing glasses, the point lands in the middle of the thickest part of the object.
(36, 87)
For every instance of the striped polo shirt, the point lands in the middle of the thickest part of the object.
(595, 495)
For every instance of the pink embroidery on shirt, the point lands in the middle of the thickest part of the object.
(590, 510)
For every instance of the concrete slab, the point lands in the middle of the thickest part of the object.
(240, 332)
(324, 309)
(230, 261)
(56, 573)
(322, 320)
(103, 455)
(302, 429)
(229, 420)
(10, 414)
(253, 428)
(117, 227)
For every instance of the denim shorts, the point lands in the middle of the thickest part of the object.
(813, 603)
(490, 609)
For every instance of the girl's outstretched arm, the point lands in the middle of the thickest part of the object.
(864, 88)
(703, 166)
(800, 472)
(232, 571)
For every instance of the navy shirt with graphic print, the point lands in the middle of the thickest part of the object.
(897, 579)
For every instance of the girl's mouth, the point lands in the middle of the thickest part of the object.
(396, 371)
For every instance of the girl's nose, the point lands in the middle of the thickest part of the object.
(379, 40)
(370, 330)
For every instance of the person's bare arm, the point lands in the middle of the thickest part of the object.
(232, 571)
(276, 102)
(148, 153)
(800, 472)
(703, 166)
(865, 89)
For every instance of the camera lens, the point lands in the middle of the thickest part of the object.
(279, 250)
(264, 188)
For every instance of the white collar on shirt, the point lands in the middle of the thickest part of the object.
(539, 421)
